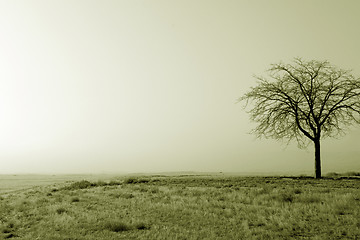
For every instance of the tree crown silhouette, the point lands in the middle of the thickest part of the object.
(306, 101)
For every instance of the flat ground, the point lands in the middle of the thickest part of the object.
(19, 182)
(182, 207)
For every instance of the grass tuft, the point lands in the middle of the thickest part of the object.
(10, 235)
(307, 199)
(60, 210)
(75, 199)
(127, 195)
(297, 191)
(142, 226)
(117, 226)
(286, 197)
(6, 230)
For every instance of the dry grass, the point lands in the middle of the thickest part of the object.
(188, 207)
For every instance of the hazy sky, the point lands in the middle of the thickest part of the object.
(150, 85)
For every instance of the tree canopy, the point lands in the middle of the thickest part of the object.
(306, 101)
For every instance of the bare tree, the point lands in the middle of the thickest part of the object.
(306, 101)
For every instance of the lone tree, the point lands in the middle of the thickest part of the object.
(306, 101)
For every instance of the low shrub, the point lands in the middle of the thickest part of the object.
(80, 185)
(100, 183)
(83, 184)
(114, 183)
(132, 180)
(143, 181)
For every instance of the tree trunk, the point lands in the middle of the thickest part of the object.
(317, 159)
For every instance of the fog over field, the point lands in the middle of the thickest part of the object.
(151, 86)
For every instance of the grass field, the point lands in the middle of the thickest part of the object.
(184, 207)
(18, 182)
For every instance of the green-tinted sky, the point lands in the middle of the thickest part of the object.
(150, 86)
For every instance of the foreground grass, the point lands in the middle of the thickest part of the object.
(187, 207)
